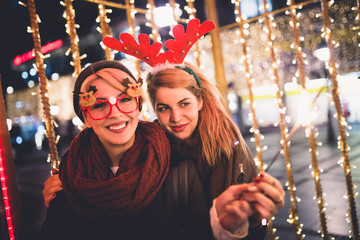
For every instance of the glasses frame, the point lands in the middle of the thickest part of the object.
(111, 107)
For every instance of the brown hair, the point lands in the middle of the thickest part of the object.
(218, 132)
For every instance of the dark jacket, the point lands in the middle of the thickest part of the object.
(216, 179)
(165, 218)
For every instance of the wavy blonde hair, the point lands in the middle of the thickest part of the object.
(218, 132)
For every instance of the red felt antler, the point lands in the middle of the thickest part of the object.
(184, 41)
(143, 51)
(178, 48)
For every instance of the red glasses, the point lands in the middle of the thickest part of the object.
(102, 109)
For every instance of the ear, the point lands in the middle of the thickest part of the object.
(86, 120)
(200, 103)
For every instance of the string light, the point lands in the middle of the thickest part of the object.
(247, 62)
(341, 121)
(155, 32)
(190, 9)
(40, 67)
(293, 212)
(309, 127)
(245, 58)
(4, 189)
(105, 29)
(130, 14)
(70, 26)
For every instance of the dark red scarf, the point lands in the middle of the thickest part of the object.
(93, 190)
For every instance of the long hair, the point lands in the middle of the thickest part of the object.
(218, 132)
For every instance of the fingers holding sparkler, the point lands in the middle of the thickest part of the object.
(268, 197)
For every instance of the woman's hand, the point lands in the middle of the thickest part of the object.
(232, 210)
(51, 186)
(269, 197)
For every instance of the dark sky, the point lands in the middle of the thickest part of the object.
(16, 41)
(15, 18)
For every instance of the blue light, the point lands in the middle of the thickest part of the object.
(24, 75)
(19, 140)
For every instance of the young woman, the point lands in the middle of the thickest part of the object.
(200, 131)
(199, 127)
(188, 107)
(117, 179)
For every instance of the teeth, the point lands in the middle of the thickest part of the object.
(117, 127)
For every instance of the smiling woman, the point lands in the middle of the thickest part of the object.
(178, 114)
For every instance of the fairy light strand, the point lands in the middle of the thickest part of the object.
(130, 14)
(309, 127)
(342, 143)
(173, 5)
(293, 212)
(105, 29)
(316, 175)
(5, 195)
(43, 83)
(70, 26)
(192, 14)
(154, 30)
(249, 79)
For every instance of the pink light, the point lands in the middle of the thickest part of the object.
(4, 189)
(19, 59)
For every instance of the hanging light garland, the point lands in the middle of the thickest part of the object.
(293, 212)
(5, 196)
(104, 29)
(250, 80)
(40, 67)
(342, 144)
(130, 14)
(309, 127)
(190, 9)
(154, 30)
(70, 26)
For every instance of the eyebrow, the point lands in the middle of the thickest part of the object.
(163, 104)
(184, 99)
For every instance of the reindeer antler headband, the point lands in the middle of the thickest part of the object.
(178, 48)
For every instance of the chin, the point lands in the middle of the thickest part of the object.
(181, 135)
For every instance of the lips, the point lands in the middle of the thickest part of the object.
(179, 128)
(117, 128)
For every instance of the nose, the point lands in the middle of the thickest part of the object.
(175, 115)
(115, 111)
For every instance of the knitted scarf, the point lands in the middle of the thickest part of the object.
(95, 192)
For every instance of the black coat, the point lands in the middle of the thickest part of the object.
(165, 218)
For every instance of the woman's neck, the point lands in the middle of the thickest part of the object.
(115, 157)
(116, 152)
